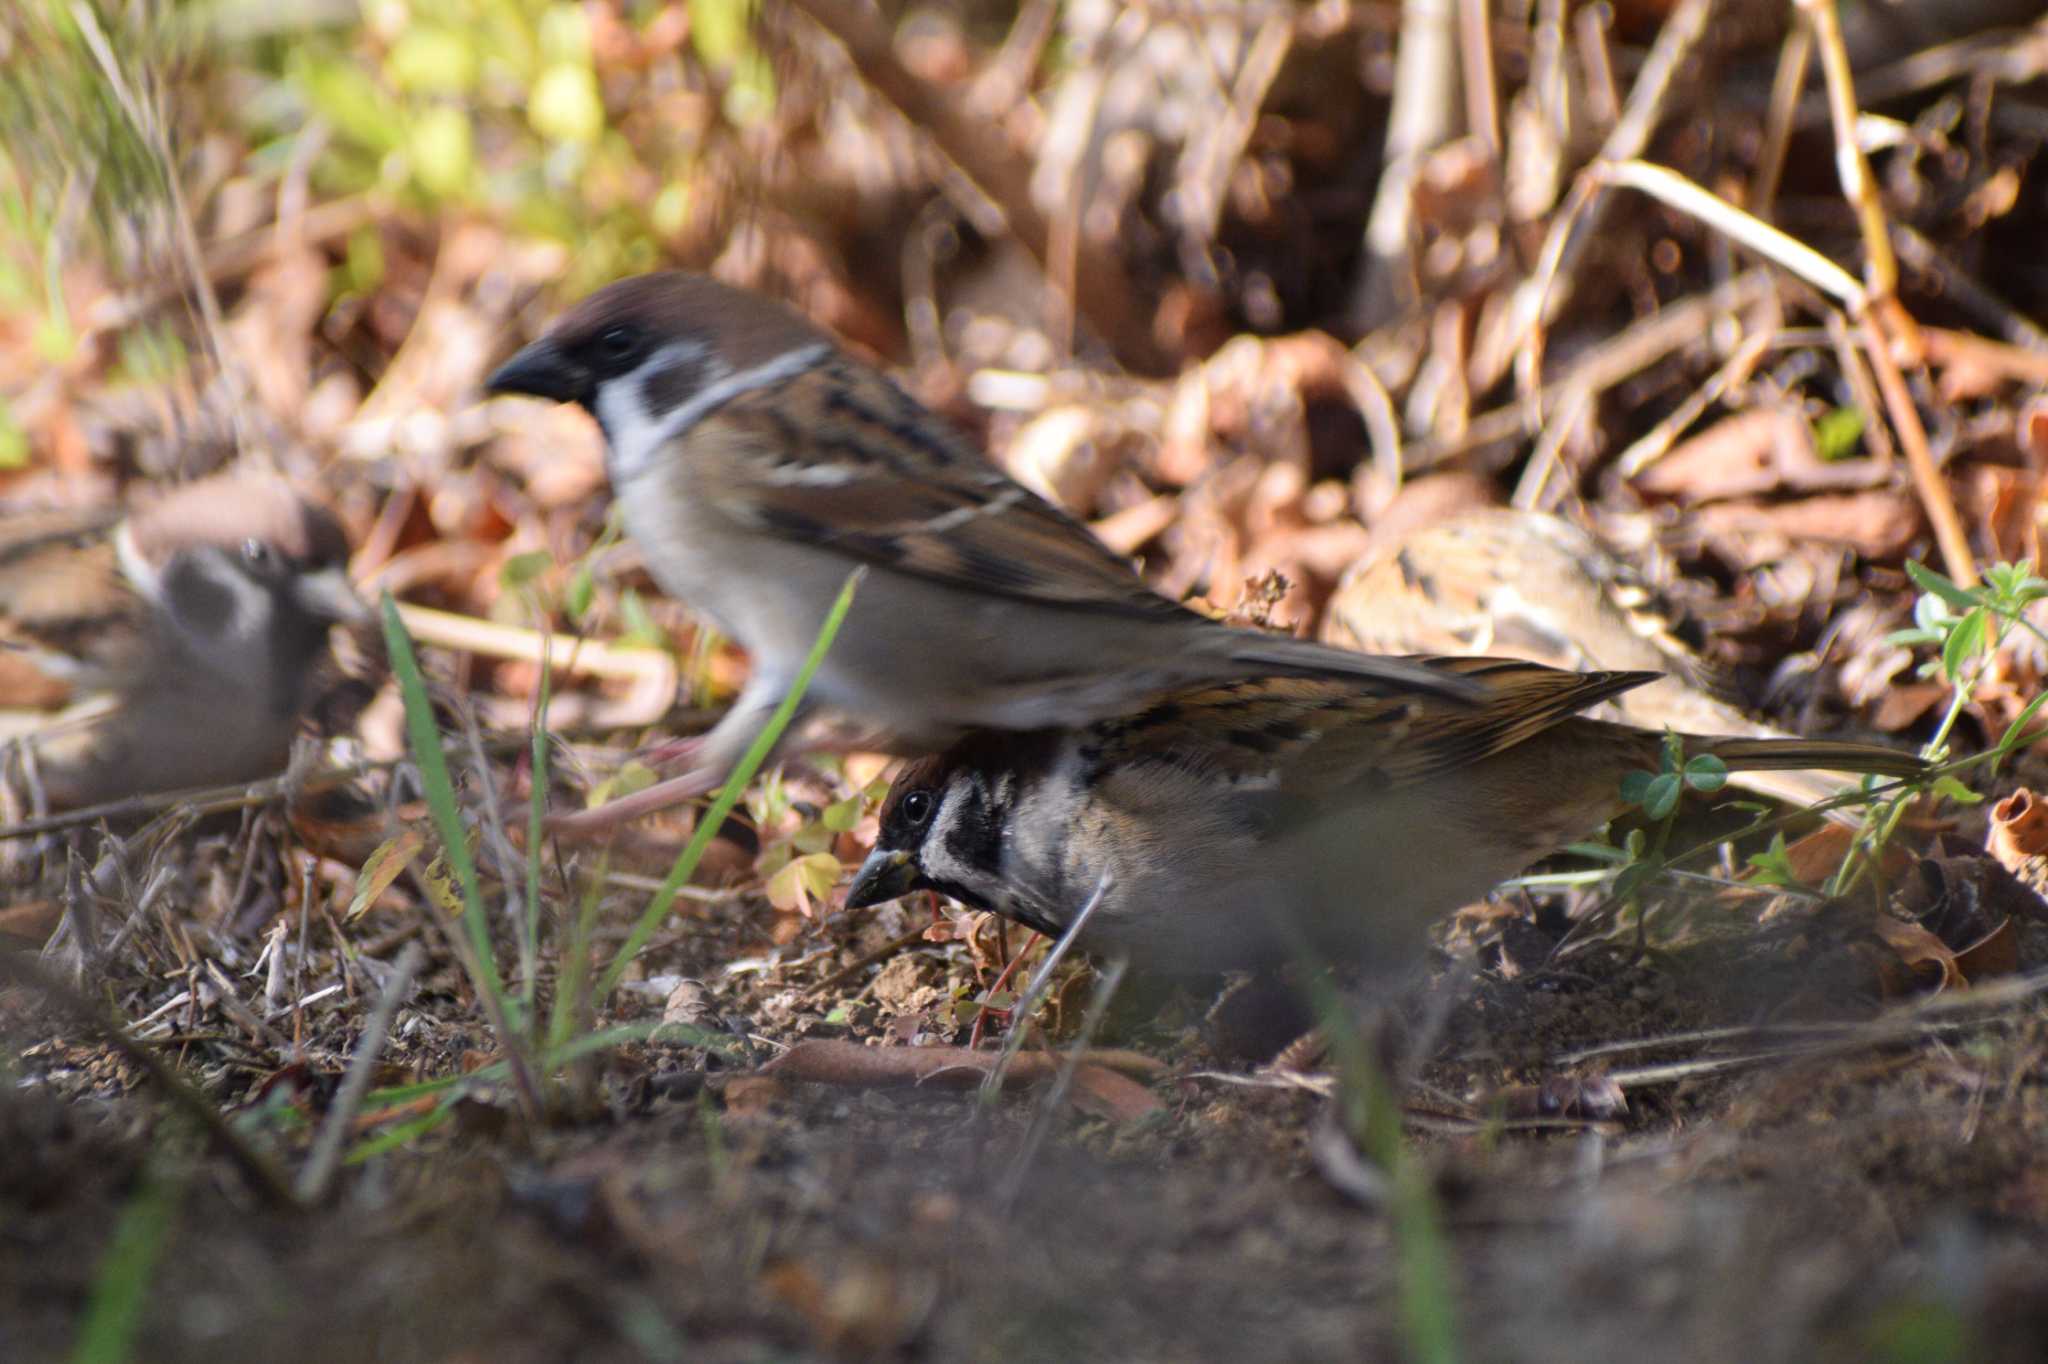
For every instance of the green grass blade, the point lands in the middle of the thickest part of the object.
(729, 796)
(113, 1311)
(439, 790)
(536, 811)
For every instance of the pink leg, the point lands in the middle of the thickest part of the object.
(671, 752)
(660, 796)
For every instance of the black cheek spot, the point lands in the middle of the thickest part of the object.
(199, 602)
(668, 389)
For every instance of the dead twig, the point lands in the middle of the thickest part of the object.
(355, 1083)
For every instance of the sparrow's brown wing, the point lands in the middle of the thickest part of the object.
(1506, 583)
(65, 609)
(841, 458)
(1289, 740)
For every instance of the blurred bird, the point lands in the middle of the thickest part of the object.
(184, 638)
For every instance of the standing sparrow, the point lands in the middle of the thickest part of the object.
(1525, 585)
(1243, 824)
(195, 623)
(757, 465)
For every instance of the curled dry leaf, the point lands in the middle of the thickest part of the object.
(1969, 902)
(2019, 839)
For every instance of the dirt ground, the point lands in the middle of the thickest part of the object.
(1876, 1191)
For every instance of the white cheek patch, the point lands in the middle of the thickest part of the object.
(636, 432)
(632, 428)
(147, 582)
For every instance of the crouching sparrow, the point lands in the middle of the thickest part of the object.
(184, 638)
(757, 465)
(1244, 824)
(1526, 585)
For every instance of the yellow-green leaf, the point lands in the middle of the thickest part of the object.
(432, 61)
(565, 106)
(382, 867)
(441, 150)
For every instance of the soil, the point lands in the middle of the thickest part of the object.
(1881, 1196)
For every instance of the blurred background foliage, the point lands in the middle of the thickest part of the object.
(591, 125)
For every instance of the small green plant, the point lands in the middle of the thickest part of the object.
(799, 864)
(120, 1290)
(534, 1052)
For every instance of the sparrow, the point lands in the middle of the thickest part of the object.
(188, 633)
(757, 465)
(1522, 584)
(1241, 825)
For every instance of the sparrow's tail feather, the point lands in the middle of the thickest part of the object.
(1765, 755)
(1254, 653)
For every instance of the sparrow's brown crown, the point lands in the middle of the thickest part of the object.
(617, 329)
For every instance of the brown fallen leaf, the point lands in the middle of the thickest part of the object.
(1880, 524)
(1102, 1093)
(1762, 450)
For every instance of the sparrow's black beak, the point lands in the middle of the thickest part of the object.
(883, 877)
(329, 595)
(542, 370)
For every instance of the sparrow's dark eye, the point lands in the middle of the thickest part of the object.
(917, 808)
(618, 345)
(257, 554)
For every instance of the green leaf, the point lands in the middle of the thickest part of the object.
(640, 626)
(2019, 725)
(346, 97)
(121, 1290)
(1662, 796)
(1964, 641)
(13, 440)
(1706, 773)
(1632, 878)
(582, 592)
(521, 569)
(841, 815)
(804, 880)
(431, 60)
(1635, 787)
(383, 866)
(1927, 580)
(565, 105)
(1773, 866)
(1836, 433)
(441, 150)
(1954, 790)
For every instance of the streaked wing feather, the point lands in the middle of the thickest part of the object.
(1288, 740)
(933, 507)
